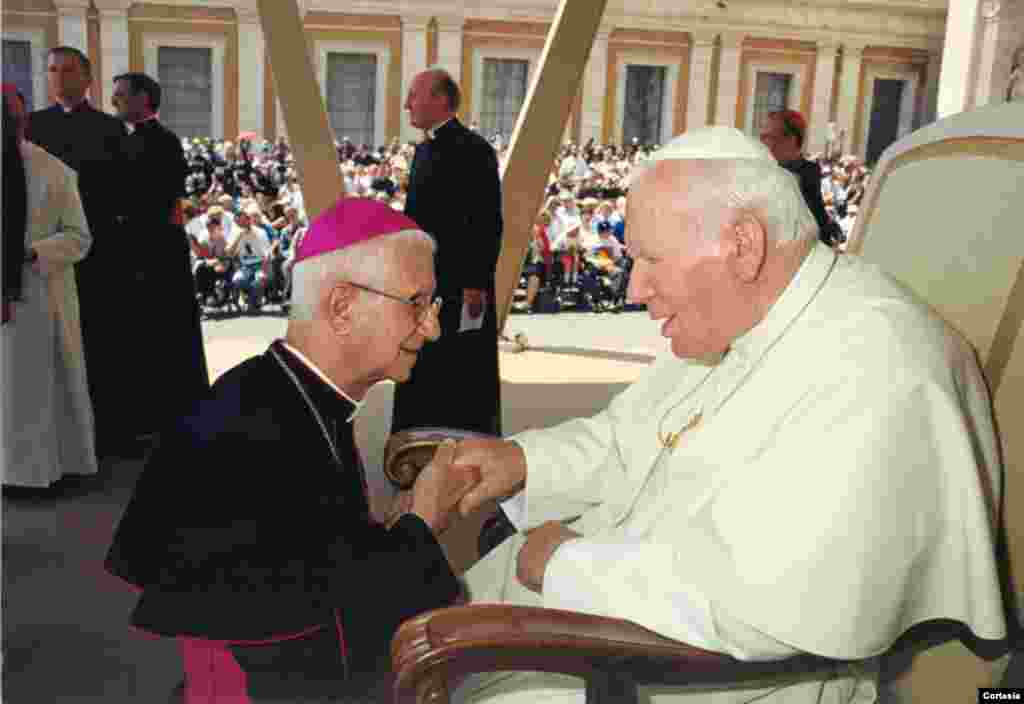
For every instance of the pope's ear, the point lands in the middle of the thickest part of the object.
(339, 304)
(746, 244)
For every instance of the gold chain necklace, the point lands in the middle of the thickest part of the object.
(669, 441)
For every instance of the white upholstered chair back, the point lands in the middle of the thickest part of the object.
(944, 214)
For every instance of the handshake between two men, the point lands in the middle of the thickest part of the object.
(465, 476)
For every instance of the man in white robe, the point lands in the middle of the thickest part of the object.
(813, 469)
(47, 414)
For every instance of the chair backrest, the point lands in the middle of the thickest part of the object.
(944, 214)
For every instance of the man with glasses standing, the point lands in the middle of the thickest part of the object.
(455, 196)
(264, 557)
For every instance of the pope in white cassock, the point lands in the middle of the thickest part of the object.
(810, 470)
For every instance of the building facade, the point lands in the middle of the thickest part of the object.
(863, 74)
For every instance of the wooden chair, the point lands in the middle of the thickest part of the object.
(944, 213)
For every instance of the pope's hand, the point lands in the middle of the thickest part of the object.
(540, 545)
(502, 467)
(440, 486)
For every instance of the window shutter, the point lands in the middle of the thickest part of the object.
(186, 82)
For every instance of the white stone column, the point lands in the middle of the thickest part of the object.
(821, 103)
(698, 101)
(414, 60)
(931, 88)
(849, 88)
(988, 39)
(72, 27)
(728, 79)
(251, 61)
(959, 56)
(449, 45)
(116, 58)
(595, 87)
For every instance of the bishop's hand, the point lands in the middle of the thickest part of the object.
(502, 467)
(440, 486)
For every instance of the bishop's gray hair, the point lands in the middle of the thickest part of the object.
(372, 263)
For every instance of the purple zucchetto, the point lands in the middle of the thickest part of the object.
(348, 222)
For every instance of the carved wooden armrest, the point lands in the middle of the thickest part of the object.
(432, 652)
(408, 451)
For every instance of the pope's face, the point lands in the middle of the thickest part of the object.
(679, 273)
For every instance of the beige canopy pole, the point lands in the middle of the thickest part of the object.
(311, 137)
(538, 132)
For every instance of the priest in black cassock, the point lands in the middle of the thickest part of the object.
(250, 533)
(163, 313)
(89, 141)
(455, 195)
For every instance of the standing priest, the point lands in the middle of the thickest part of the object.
(276, 577)
(455, 195)
(155, 250)
(89, 141)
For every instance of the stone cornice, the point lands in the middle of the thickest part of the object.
(69, 7)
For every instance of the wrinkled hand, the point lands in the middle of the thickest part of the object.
(502, 470)
(540, 545)
(440, 486)
(476, 299)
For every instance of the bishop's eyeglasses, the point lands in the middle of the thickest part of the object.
(422, 305)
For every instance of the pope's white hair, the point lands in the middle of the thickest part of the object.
(760, 188)
(724, 188)
(371, 263)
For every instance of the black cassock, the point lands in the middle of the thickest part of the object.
(89, 141)
(243, 527)
(161, 313)
(455, 195)
(808, 173)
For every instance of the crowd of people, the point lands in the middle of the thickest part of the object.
(245, 212)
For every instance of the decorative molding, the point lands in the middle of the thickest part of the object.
(703, 37)
(73, 7)
(113, 7)
(733, 39)
(990, 10)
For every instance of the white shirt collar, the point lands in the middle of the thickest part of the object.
(432, 131)
(316, 370)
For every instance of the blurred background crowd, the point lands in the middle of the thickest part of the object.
(244, 215)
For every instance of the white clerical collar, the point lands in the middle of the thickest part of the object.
(132, 126)
(316, 370)
(802, 289)
(432, 131)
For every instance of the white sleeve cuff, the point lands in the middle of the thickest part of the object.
(636, 581)
(574, 581)
(515, 510)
